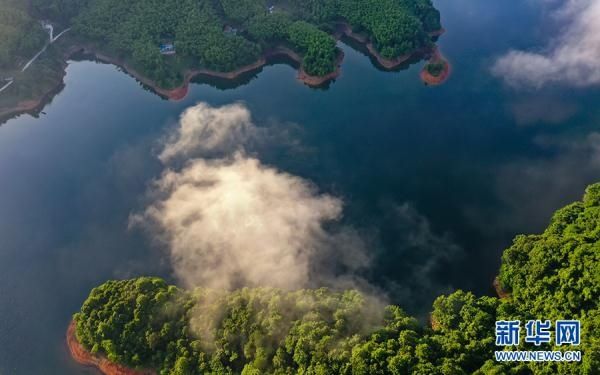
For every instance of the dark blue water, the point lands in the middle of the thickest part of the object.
(439, 179)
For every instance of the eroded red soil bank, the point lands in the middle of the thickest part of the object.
(85, 358)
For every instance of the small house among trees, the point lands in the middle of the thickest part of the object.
(167, 49)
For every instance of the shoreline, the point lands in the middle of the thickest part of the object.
(180, 92)
(85, 358)
(432, 80)
(343, 28)
(502, 294)
(35, 106)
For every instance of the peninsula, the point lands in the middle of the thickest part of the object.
(144, 323)
(166, 44)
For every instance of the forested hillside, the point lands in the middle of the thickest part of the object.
(58, 11)
(21, 36)
(146, 323)
(224, 35)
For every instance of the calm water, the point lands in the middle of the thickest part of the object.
(439, 179)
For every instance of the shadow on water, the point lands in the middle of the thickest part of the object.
(362, 49)
(438, 193)
(245, 78)
(223, 83)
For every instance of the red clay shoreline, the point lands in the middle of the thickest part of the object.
(502, 294)
(390, 64)
(181, 91)
(310, 80)
(34, 106)
(429, 78)
(85, 358)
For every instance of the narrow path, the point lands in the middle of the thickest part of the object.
(59, 35)
(7, 85)
(50, 29)
(26, 66)
(52, 39)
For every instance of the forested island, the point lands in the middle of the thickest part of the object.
(166, 43)
(146, 324)
(437, 70)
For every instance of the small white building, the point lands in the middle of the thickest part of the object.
(167, 49)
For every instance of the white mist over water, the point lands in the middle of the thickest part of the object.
(571, 57)
(231, 221)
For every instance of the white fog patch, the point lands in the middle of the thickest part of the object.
(230, 221)
(239, 222)
(571, 58)
(205, 131)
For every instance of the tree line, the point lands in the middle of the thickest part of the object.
(21, 36)
(224, 35)
(147, 323)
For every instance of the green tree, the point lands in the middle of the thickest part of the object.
(146, 323)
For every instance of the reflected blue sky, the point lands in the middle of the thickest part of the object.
(459, 160)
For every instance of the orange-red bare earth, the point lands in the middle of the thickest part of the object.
(181, 92)
(502, 294)
(84, 357)
(310, 80)
(432, 80)
(345, 29)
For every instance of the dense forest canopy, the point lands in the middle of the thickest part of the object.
(146, 323)
(435, 68)
(21, 36)
(60, 11)
(224, 35)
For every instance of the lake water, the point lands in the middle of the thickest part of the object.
(439, 179)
